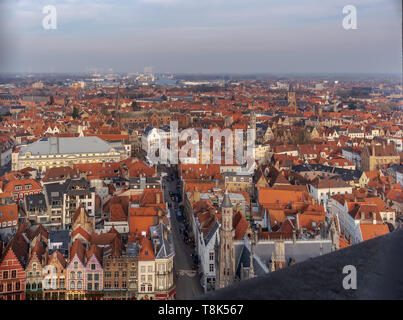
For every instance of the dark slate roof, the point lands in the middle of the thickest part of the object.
(164, 247)
(212, 231)
(244, 259)
(35, 202)
(82, 183)
(55, 191)
(6, 234)
(379, 265)
(345, 174)
(132, 249)
(60, 236)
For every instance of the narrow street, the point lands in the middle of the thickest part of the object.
(187, 280)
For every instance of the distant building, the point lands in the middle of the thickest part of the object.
(57, 152)
(375, 156)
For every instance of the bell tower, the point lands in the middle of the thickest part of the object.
(226, 256)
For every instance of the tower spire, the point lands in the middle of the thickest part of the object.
(226, 256)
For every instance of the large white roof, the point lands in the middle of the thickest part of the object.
(70, 145)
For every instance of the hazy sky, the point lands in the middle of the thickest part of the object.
(209, 36)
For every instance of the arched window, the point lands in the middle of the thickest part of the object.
(28, 286)
(40, 285)
(79, 285)
(75, 265)
(34, 286)
(72, 274)
(72, 285)
(79, 275)
(150, 287)
(54, 270)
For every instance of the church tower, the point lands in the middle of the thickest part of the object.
(226, 252)
(117, 107)
(252, 123)
(292, 101)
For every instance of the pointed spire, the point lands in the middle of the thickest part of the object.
(226, 202)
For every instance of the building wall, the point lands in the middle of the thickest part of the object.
(75, 277)
(12, 288)
(54, 281)
(146, 278)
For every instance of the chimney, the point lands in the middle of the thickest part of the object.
(373, 217)
(373, 149)
(196, 195)
(158, 196)
(362, 216)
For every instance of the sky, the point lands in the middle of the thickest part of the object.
(201, 36)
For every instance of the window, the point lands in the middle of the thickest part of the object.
(107, 274)
(89, 276)
(72, 285)
(124, 284)
(143, 269)
(9, 287)
(89, 287)
(150, 269)
(13, 274)
(132, 274)
(211, 255)
(75, 265)
(150, 287)
(124, 274)
(79, 285)
(72, 274)
(211, 267)
(143, 278)
(96, 276)
(79, 275)
(116, 274)
(150, 278)
(116, 284)
(93, 266)
(17, 286)
(5, 274)
(96, 286)
(143, 287)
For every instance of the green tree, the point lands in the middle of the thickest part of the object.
(75, 113)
